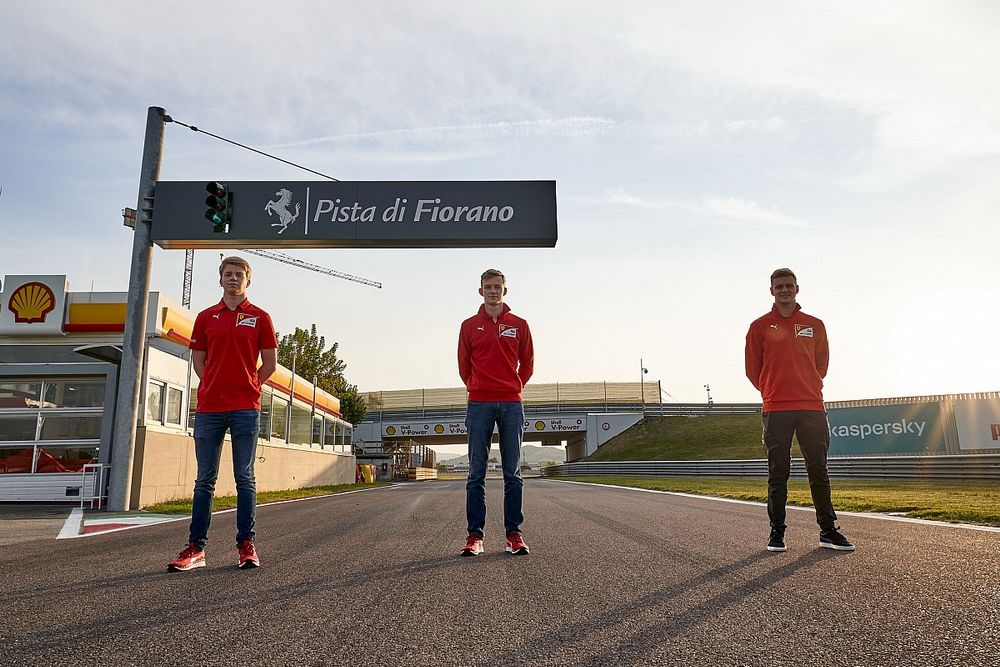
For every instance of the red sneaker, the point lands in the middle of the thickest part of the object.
(188, 559)
(473, 546)
(516, 545)
(248, 555)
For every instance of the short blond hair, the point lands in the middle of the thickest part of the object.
(235, 261)
(492, 273)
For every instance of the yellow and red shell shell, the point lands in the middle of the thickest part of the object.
(31, 302)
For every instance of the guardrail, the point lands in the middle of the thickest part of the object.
(539, 409)
(972, 467)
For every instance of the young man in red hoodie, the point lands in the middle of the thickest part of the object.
(495, 360)
(787, 354)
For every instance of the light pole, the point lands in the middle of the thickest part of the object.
(708, 392)
(642, 387)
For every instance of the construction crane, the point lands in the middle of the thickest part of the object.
(128, 214)
(288, 259)
(276, 256)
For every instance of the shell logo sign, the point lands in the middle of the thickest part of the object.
(33, 305)
(31, 302)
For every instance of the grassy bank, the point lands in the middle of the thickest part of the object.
(183, 506)
(962, 502)
(688, 439)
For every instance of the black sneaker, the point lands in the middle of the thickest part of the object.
(777, 541)
(832, 539)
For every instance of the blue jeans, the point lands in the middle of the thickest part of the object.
(209, 432)
(480, 418)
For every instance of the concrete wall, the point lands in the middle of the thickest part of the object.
(165, 468)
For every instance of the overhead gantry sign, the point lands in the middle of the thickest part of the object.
(358, 214)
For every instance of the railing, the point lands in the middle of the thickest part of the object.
(538, 409)
(972, 467)
(92, 489)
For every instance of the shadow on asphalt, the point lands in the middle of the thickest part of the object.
(674, 624)
(175, 606)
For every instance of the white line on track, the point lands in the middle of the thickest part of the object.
(74, 522)
(72, 525)
(864, 515)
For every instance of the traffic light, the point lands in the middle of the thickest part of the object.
(220, 206)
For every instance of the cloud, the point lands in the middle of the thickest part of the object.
(575, 126)
(732, 209)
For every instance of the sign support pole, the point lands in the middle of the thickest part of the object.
(133, 344)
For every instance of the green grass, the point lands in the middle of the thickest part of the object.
(962, 502)
(183, 505)
(688, 439)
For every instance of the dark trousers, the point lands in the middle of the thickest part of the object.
(813, 433)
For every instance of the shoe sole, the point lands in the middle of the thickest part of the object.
(178, 568)
(248, 564)
(465, 553)
(520, 552)
(770, 548)
(827, 545)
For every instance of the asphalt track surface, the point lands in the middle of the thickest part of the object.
(614, 577)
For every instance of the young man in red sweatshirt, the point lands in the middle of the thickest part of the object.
(787, 354)
(495, 360)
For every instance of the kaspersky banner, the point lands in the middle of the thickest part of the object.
(978, 423)
(913, 428)
(359, 214)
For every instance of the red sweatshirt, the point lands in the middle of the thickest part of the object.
(495, 359)
(786, 359)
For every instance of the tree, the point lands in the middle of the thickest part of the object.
(307, 350)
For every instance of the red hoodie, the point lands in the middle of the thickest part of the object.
(495, 359)
(786, 359)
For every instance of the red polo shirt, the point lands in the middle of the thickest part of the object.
(232, 340)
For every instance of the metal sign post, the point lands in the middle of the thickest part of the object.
(133, 347)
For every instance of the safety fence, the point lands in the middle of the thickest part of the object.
(969, 467)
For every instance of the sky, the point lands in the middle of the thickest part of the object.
(696, 146)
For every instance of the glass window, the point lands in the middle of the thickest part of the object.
(64, 459)
(154, 402)
(174, 402)
(264, 430)
(301, 425)
(74, 393)
(16, 461)
(71, 427)
(18, 428)
(317, 434)
(192, 405)
(19, 394)
(279, 417)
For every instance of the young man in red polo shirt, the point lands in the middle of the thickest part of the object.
(227, 340)
(495, 361)
(787, 354)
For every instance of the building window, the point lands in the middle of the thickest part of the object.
(279, 418)
(154, 402)
(301, 425)
(50, 425)
(175, 401)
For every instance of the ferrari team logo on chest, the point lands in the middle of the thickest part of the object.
(244, 320)
(803, 330)
(508, 332)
